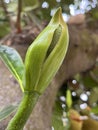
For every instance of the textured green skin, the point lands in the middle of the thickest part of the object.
(25, 108)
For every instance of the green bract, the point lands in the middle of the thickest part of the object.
(46, 54)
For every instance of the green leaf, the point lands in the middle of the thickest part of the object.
(8, 110)
(29, 5)
(69, 99)
(14, 62)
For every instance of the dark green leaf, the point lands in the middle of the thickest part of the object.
(13, 61)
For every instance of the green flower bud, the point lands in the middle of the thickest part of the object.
(46, 54)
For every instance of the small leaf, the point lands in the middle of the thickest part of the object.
(69, 99)
(8, 110)
(13, 61)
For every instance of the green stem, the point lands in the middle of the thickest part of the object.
(25, 108)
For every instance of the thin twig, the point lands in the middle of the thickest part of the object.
(18, 22)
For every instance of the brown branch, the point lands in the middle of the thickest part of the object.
(18, 22)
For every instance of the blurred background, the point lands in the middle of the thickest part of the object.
(41, 11)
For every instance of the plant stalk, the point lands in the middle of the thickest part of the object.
(18, 22)
(25, 108)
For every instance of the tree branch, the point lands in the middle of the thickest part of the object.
(18, 22)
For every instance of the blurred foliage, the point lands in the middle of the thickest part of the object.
(29, 5)
(5, 28)
(82, 93)
(40, 10)
(60, 120)
(93, 13)
(48, 7)
(92, 18)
